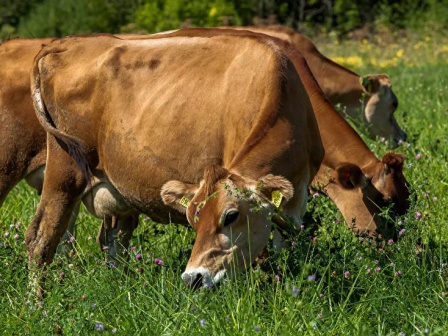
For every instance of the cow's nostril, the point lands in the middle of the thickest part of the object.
(197, 281)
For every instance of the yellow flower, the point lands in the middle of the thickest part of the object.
(212, 12)
(427, 39)
(400, 53)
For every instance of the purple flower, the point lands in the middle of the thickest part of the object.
(390, 241)
(18, 225)
(311, 277)
(228, 318)
(295, 291)
(347, 274)
(418, 215)
(6, 234)
(398, 274)
(158, 261)
(99, 326)
(402, 231)
(62, 275)
(257, 328)
(72, 239)
(401, 333)
(202, 322)
(418, 156)
(16, 236)
(377, 262)
(378, 269)
(338, 220)
(138, 256)
(277, 277)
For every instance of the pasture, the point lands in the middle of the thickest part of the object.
(325, 283)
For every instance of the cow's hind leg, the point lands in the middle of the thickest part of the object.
(63, 186)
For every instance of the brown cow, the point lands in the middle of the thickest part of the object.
(360, 184)
(343, 86)
(148, 117)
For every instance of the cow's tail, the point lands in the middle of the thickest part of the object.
(75, 147)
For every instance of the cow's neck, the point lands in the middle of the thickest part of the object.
(339, 84)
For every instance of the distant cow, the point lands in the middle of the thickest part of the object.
(343, 86)
(215, 124)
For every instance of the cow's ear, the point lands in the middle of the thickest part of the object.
(350, 176)
(276, 188)
(178, 194)
(369, 83)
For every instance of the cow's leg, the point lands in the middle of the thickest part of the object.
(62, 189)
(65, 247)
(114, 236)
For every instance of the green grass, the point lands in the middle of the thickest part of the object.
(355, 289)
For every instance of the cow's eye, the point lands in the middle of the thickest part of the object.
(231, 217)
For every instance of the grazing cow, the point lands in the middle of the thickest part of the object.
(360, 184)
(214, 124)
(344, 87)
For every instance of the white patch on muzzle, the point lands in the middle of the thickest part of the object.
(192, 277)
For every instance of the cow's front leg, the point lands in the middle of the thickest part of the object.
(114, 236)
(62, 188)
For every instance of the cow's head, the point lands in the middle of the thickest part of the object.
(230, 215)
(362, 193)
(381, 103)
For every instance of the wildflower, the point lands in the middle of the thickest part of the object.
(89, 238)
(94, 305)
(11, 226)
(99, 326)
(378, 269)
(158, 261)
(426, 331)
(314, 324)
(202, 322)
(402, 231)
(16, 236)
(410, 165)
(6, 234)
(277, 278)
(228, 318)
(314, 240)
(390, 242)
(443, 294)
(435, 198)
(293, 243)
(316, 194)
(368, 271)
(114, 330)
(18, 225)
(418, 156)
(401, 333)
(138, 256)
(377, 262)
(346, 274)
(28, 303)
(338, 220)
(321, 295)
(382, 139)
(400, 223)
(105, 247)
(62, 275)
(72, 239)
(426, 195)
(311, 277)
(392, 264)
(398, 274)
(302, 227)
(257, 328)
(418, 215)
(400, 142)
(319, 315)
(295, 291)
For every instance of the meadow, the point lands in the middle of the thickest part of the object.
(325, 283)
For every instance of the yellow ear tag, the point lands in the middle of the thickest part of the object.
(184, 201)
(277, 198)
